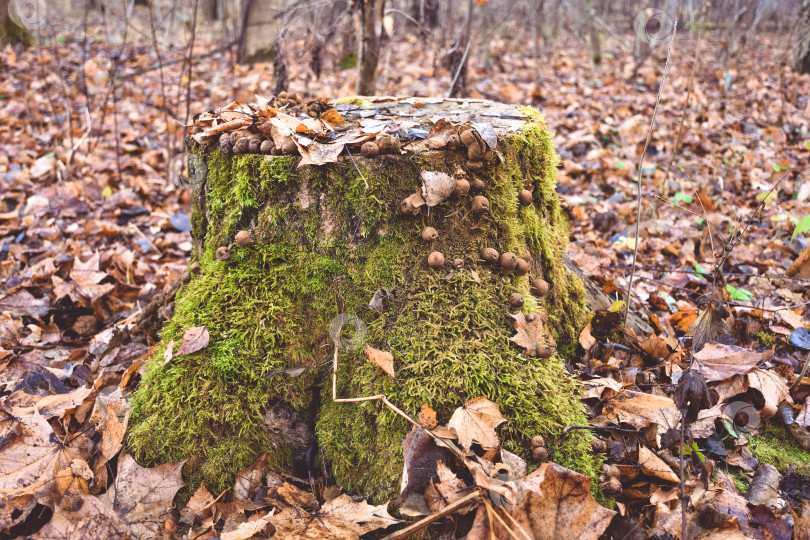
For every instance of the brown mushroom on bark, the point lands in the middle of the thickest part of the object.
(525, 197)
(521, 267)
(369, 149)
(545, 351)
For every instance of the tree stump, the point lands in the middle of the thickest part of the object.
(340, 242)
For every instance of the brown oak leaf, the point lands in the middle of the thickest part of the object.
(530, 333)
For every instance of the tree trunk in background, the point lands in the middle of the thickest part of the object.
(459, 58)
(801, 51)
(368, 46)
(261, 25)
(429, 13)
(593, 35)
(211, 10)
(10, 32)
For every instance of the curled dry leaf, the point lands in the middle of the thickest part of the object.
(384, 359)
(194, 339)
(436, 187)
(427, 417)
(248, 529)
(319, 154)
(476, 421)
(773, 389)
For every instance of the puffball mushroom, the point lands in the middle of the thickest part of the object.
(243, 238)
(436, 260)
(489, 254)
(525, 197)
(508, 261)
(521, 267)
(429, 234)
(369, 149)
(480, 205)
(223, 253)
(539, 287)
(516, 300)
(462, 187)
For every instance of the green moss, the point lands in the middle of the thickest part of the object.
(767, 339)
(348, 61)
(268, 308)
(741, 480)
(354, 100)
(778, 447)
(14, 34)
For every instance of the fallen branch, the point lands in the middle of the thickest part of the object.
(475, 496)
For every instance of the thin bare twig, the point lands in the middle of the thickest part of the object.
(422, 523)
(640, 167)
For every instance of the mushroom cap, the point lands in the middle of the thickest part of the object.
(436, 260)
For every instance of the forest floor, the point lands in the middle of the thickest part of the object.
(94, 222)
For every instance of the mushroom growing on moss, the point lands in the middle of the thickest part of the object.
(462, 187)
(489, 254)
(516, 300)
(436, 260)
(480, 205)
(508, 261)
(243, 238)
(223, 253)
(521, 267)
(525, 197)
(539, 287)
(429, 234)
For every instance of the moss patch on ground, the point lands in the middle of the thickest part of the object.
(326, 239)
(778, 447)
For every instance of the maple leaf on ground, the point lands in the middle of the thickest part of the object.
(92, 520)
(530, 333)
(341, 519)
(446, 489)
(384, 359)
(141, 497)
(476, 421)
(194, 339)
(30, 452)
(558, 505)
(21, 403)
(719, 362)
(637, 408)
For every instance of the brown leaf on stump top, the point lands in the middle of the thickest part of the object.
(530, 333)
(384, 359)
(194, 339)
(436, 187)
(476, 421)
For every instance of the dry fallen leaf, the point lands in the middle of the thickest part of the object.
(384, 359)
(706, 327)
(476, 421)
(719, 362)
(194, 339)
(530, 334)
(637, 408)
(436, 187)
(558, 506)
(142, 497)
(319, 154)
(652, 465)
(248, 529)
(773, 389)
(427, 417)
(339, 519)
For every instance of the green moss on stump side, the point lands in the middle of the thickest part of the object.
(320, 231)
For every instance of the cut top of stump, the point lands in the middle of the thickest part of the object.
(321, 130)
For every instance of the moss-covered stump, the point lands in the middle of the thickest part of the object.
(323, 240)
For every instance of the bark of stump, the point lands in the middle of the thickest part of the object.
(323, 244)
